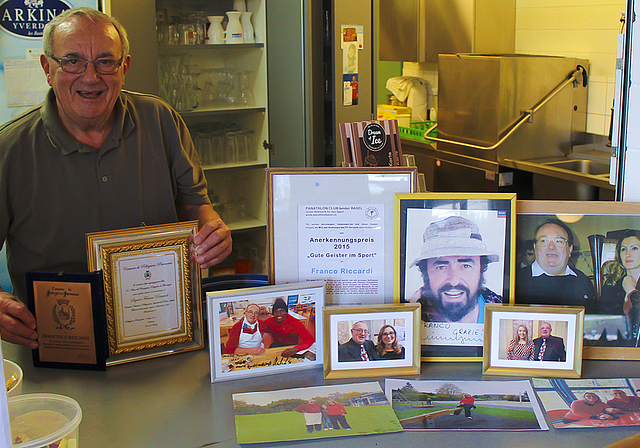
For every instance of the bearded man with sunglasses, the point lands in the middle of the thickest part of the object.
(92, 157)
(550, 280)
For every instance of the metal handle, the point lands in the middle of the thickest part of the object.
(527, 115)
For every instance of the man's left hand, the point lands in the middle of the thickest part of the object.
(289, 352)
(212, 244)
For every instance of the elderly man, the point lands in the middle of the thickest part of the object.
(550, 280)
(359, 347)
(92, 157)
(548, 347)
(245, 337)
(452, 263)
(624, 402)
(287, 330)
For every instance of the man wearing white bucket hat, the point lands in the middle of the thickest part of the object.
(452, 262)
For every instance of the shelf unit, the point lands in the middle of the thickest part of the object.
(236, 189)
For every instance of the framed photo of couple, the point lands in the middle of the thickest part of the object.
(584, 254)
(371, 340)
(265, 330)
(533, 340)
(454, 255)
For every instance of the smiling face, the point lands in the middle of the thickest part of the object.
(251, 313)
(359, 332)
(545, 330)
(279, 315)
(388, 336)
(630, 252)
(551, 254)
(522, 333)
(454, 282)
(85, 100)
(591, 398)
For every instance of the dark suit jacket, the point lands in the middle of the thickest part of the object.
(555, 349)
(350, 351)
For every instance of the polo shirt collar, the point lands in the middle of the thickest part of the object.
(537, 271)
(64, 142)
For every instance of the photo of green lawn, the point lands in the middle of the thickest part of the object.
(466, 405)
(312, 413)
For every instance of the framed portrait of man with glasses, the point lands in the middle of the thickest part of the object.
(585, 254)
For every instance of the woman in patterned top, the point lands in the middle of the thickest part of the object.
(521, 347)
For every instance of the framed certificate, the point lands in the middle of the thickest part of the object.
(336, 225)
(69, 309)
(151, 290)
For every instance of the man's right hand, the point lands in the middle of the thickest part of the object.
(17, 324)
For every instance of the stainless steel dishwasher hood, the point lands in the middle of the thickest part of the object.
(482, 96)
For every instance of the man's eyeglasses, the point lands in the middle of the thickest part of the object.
(103, 66)
(360, 330)
(557, 241)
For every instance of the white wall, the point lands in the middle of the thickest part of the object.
(585, 29)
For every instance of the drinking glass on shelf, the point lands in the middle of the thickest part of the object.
(246, 96)
(232, 140)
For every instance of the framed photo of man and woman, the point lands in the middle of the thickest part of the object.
(454, 254)
(265, 330)
(584, 254)
(371, 340)
(533, 340)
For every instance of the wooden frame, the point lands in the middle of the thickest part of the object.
(335, 224)
(151, 290)
(341, 361)
(226, 312)
(476, 227)
(596, 228)
(502, 355)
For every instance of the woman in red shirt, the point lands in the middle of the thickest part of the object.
(337, 415)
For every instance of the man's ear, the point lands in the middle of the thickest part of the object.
(46, 66)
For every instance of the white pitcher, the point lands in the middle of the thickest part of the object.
(235, 34)
(215, 34)
(240, 5)
(245, 20)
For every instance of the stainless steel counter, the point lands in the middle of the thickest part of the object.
(169, 402)
(580, 168)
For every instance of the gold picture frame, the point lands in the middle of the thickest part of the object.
(596, 228)
(151, 290)
(340, 357)
(561, 352)
(479, 227)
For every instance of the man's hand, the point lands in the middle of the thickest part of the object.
(17, 324)
(289, 352)
(212, 244)
(250, 351)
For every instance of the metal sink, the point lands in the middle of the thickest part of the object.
(584, 166)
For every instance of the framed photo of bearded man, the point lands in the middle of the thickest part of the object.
(454, 253)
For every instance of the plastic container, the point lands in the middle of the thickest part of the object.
(416, 130)
(43, 420)
(12, 375)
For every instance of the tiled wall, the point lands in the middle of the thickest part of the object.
(579, 28)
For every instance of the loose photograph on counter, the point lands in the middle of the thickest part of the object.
(313, 413)
(270, 329)
(590, 403)
(465, 405)
(578, 254)
(454, 256)
(371, 340)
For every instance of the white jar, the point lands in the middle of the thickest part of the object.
(215, 34)
(235, 34)
(245, 20)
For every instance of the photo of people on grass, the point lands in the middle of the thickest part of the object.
(590, 403)
(312, 413)
(465, 405)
